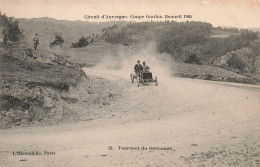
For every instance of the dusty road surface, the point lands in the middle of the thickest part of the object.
(182, 122)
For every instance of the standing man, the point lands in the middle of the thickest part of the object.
(5, 33)
(35, 41)
(138, 68)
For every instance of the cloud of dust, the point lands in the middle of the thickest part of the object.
(122, 64)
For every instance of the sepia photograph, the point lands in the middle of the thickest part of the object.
(119, 83)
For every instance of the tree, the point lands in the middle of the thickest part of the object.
(3, 20)
(14, 32)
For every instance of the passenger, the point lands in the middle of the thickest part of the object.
(145, 67)
(138, 68)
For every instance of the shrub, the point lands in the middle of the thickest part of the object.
(58, 41)
(193, 59)
(29, 52)
(83, 42)
(236, 63)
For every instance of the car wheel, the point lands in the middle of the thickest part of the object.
(132, 78)
(156, 81)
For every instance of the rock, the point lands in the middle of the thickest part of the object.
(48, 102)
(67, 64)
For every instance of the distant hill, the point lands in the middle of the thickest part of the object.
(70, 30)
(255, 29)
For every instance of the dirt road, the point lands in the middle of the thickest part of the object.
(182, 122)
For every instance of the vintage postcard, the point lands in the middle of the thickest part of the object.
(119, 83)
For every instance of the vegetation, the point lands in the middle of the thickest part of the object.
(232, 30)
(174, 37)
(83, 42)
(193, 43)
(193, 59)
(116, 37)
(58, 41)
(236, 63)
(14, 33)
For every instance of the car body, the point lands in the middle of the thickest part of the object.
(144, 77)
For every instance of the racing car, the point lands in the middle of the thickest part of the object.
(144, 77)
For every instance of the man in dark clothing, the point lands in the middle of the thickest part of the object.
(35, 41)
(5, 33)
(138, 68)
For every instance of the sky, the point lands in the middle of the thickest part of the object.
(228, 13)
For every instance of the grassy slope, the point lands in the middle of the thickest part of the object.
(71, 30)
(88, 56)
(22, 70)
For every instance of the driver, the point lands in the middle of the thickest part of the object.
(145, 67)
(138, 68)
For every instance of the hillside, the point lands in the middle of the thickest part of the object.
(195, 43)
(189, 42)
(197, 49)
(42, 88)
(70, 30)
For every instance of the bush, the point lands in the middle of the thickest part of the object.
(29, 52)
(58, 41)
(236, 63)
(193, 59)
(83, 42)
